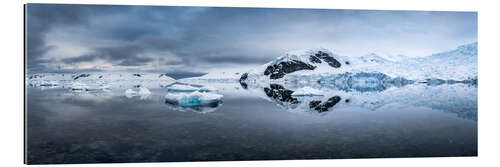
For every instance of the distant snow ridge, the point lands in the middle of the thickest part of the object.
(219, 77)
(98, 80)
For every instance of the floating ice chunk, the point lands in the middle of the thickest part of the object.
(307, 91)
(77, 86)
(179, 87)
(49, 83)
(182, 88)
(194, 99)
(207, 89)
(105, 87)
(81, 87)
(129, 93)
(143, 93)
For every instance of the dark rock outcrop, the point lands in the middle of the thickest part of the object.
(242, 80)
(278, 92)
(243, 77)
(316, 105)
(314, 59)
(277, 71)
(327, 58)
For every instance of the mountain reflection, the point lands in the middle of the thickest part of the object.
(459, 98)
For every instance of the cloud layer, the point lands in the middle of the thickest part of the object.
(199, 39)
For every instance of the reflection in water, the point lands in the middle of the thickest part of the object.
(188, 97)
(458, 97)
(354, 121)
(279, 93)
(211, 107)
(324, 106)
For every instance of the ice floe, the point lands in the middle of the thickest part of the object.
(182, 88)
(142, 92)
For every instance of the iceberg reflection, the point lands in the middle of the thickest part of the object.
(184, 97)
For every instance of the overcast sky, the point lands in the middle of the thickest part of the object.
(186, 40)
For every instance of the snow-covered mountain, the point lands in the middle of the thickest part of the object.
(317, 81)
(372, 58)
(318, 64)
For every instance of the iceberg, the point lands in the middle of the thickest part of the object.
(207, 89)
(82, 87)
(194, 99)
(143, 93)
(77, 86)
(130, 93)
(182, 88)
(49, 84)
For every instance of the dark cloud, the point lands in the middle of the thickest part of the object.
(124, 55)
(193, 38)
(43, 17)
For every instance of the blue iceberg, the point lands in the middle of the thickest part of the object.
(194, 99)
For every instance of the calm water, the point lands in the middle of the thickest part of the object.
(413, 121)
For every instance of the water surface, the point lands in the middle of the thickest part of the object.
(98, 127)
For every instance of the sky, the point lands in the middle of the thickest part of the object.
(189, 41)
